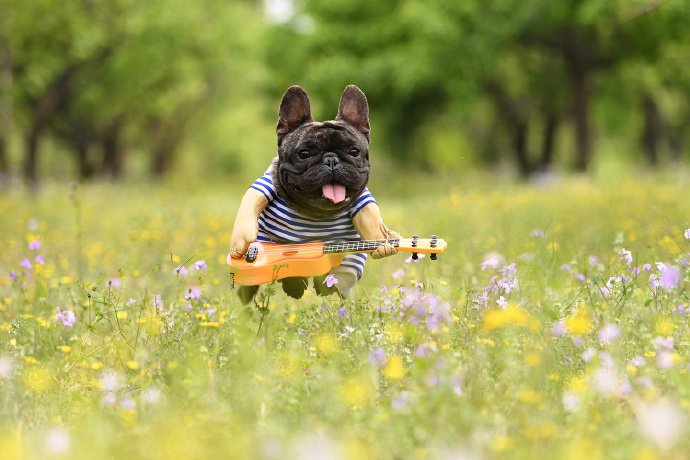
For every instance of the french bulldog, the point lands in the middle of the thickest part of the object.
(316, 183)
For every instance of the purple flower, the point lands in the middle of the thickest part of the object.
(181, 271)
(670, 276)
(199, 265)
(34, 245)
(343, 313)
(687, 234)
(647, 267)
(330, 280)
(627, 256)
(593, 260)
(509, 270)
(608, 334)
(635, 271)
(399, 273)
(492, 262)
(377, 357)
(40, 260)
(660, 342)
(26, 263)
(67, 317)
(158, 301)
(193, 293)
(567, 268)
(115, 283)
(13, 276)
(581, 277)
(637, 361)
(558, 328)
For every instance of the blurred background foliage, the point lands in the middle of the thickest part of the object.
(124, 88)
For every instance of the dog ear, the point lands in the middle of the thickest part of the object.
(354, 109)
(294, 111)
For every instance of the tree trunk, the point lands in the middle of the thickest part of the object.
(113, 153)
(548, 141)
(520, 147)
(5, 112)
(652, 129)
(581, 99)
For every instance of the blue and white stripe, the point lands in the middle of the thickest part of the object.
(281, 224)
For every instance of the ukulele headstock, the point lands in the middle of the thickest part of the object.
(416, 245)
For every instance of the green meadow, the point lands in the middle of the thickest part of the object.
(556, 325)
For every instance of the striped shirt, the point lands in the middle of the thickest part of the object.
(281, 224)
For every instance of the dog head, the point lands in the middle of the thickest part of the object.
(322, 166)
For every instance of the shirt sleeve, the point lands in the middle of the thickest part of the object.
(364, 199)
(264, 184)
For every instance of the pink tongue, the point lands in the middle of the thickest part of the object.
(334, 192)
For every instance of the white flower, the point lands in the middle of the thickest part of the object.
(661, 422)
(58, 441)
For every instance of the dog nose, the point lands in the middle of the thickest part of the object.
(330, 159)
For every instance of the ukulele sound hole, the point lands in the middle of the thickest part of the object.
(292, 252)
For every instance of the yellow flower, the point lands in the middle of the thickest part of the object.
(394, 369)
(578, 323)
(96, 365)
(65, 348)
(512, 315)
(528, 396)
(209, 324)
(664, 326)
(356, 392)
(121, 314)
(37, 379)
(133, 365)
(325, 344)
(292, 319)
(532, 359)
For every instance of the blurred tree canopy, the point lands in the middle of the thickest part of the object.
(450, 84)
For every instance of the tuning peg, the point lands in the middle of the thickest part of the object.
(415, 256)
(433, 241)
(433, 257)
(414, 241)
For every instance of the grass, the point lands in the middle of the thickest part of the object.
(569, 352)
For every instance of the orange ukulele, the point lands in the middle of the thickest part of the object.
(267, 262)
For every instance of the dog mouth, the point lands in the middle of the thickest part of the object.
(334, 192)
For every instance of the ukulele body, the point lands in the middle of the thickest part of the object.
(277, 261)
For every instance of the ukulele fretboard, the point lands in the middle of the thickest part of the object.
(357, 246)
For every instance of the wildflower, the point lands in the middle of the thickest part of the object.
(58, 441)
(127, 403)
(567, 268)
(34, 245)
(377, 357)
(627, 256)
(661, 422)
(670, 275)
(115, 283)
(558, 328)
(687, 234)
(637, 361)
(593, 261)
(399, 273)
(580, 277)
(40, 260)
(343, 313)
(193, 293)
(181, 271)
(588, 354)
(330, 280)
(609, 333)
(401, 400)
(661, 342)
(492, 261)
(5, 367)
(502, 302)
(394, 369)
(13, 276)
(110, 381)
(151, 395)
(67, 317)
(571, 401)
(26, 263)
(199, 265)
(537, 233)
(647, 267)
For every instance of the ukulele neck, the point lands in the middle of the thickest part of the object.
(339, 247)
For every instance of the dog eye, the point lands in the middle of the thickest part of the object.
(354, 152)
(303, 154)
